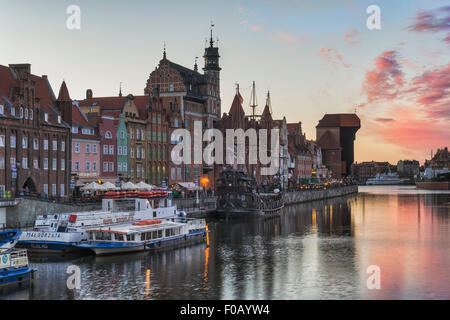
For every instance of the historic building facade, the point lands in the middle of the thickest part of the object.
(34, 134)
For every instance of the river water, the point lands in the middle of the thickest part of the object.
(318, 250)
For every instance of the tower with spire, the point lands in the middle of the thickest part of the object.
(212, 72)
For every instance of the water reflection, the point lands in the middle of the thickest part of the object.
(317, 250)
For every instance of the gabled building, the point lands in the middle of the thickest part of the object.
(34, 134)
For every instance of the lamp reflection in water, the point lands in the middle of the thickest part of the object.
(147, 283)
(205, 276)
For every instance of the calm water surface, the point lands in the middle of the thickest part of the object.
(319, 250)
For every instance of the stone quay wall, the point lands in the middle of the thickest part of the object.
(295, 197)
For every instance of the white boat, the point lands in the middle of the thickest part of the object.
(60, 232)
(385, 179)
(145, 235)
(14, 267)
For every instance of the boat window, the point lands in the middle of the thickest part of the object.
(160, 234)
(154, 214)
(155, 235)
(130, 237)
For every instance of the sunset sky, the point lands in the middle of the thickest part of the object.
(315, 57)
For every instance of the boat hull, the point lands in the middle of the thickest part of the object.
(238, 213)
(16, 275)
(102, 249)
(434, 185)
(35, 247)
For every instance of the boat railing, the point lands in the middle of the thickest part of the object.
(14, 259)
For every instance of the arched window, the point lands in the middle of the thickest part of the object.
(108, 135)
(26, 113)
(175, 123)
(31, 114)
(21, 112)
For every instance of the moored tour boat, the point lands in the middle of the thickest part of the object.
(14, 267)
(58, 233)
(145, 235)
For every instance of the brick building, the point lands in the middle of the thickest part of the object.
(408, 168)
(335, 136)
(34, 134)
(366, 170)
(189, 96)
(440, 160)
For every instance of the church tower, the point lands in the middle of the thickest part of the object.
(212, 72)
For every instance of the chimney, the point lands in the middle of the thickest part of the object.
(88, 94)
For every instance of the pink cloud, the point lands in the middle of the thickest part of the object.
(289, 38)
(351, 37)
(332, 56)
(432, 90)
(432, 21)
(412, 133)
(385, 79)
(256, 28)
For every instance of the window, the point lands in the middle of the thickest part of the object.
(24, 142)
(172, 171)
(125, 167)
(46, 189)
(138, 134)
(138, 152)
(45, 163)
(31, 114)
(54, 164)
(132, 153)
(122, 135)
(111, 167)
(35, 144)
(74, 129)
(55, 145)
(2, 141)
(179, 173)
(77, 148)
(171, 87)
(105, 166)
(21, 112)
(175, 123)
(2, 109)
(88, 148)
(119, 166)
(13, 111)
(12, 141)
(88, 166)
(63, 146)
(154, 136)
(125, 152)
(119, 150)
(54, 190)
(2, 163)
(94, 166)
(46, 117)
(159, 119)
(63, 164)
(77, 166)
(108, 135)
(111, 150)
(94, 148)
(12, 162)
(25, 163)
(61, 192)
(45, 144)
(35, 164)
(26, 114)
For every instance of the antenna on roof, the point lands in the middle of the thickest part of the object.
(211, 42)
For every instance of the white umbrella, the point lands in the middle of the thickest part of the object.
(108, 186)
(129, 186)
(143, 186)
(92, 186)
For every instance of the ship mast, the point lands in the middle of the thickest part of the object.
(253, 101)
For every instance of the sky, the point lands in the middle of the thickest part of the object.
(315, 57)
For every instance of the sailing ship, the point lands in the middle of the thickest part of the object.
(239, 197)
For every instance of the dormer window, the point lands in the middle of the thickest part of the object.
(59, 119)
(74, 129)
(46, 117)
(2, 109)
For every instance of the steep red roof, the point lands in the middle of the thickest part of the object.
(117, 103)
(78, 117)
(266, 115)
(63, 93)
(340, 120)
(236, 107)
(43, 92)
